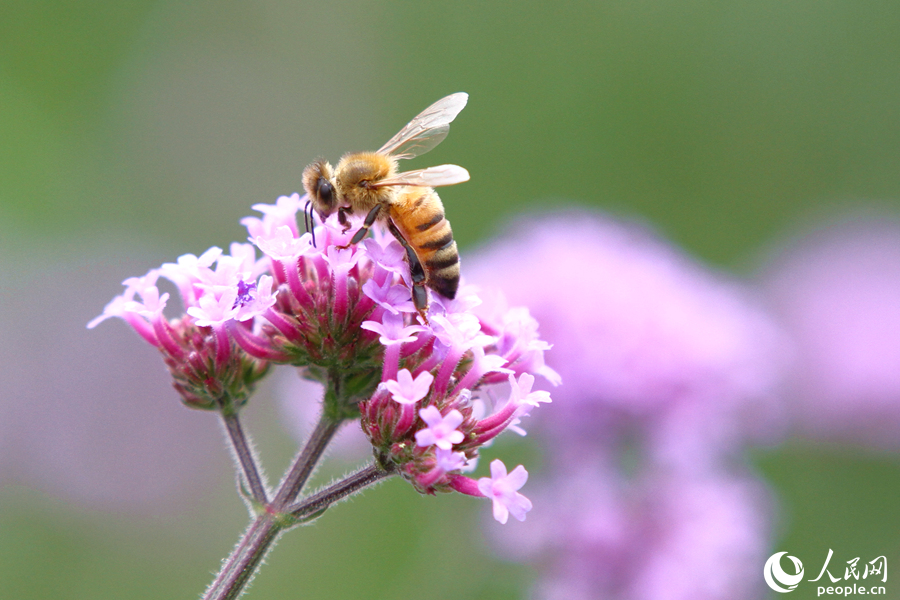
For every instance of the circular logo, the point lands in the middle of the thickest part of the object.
(776, 577)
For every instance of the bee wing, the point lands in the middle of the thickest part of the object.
(430, 177)
(427, 129)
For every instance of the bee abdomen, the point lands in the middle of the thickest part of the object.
(439, 243)
(430, 235)
(430, 223)
(443, 269)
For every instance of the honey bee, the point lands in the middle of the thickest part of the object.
(369, 183)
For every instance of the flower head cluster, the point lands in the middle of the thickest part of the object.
(436, 405)
(428, 390)
(208, 370)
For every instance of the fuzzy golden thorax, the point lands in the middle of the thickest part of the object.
(353, 174)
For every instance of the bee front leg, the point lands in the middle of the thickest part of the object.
(342, 218)
(362, 231)
(416, 273)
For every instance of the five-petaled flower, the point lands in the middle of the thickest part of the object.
(406, 390)
(502, 489)
(442, 430)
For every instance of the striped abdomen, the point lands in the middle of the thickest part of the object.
(419, 215)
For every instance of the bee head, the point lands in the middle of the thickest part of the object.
(318, 181)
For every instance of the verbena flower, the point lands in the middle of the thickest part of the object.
(640, 332)
(837, 293)
(208, 370)
(670, 370)
(502, 489)
(663, 537)
(343, 314)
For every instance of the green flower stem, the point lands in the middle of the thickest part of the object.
(245, 456)
(318, 502)
(241, 566)
(283, 512)
(305, 462)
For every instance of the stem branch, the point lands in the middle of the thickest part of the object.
(240, 567)
(305, 462)
(282, 512)
(346, 487)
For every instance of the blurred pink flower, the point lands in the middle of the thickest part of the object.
(668, 371)
(706, 538)
(638, 329)
(837, 292)
(596, 535)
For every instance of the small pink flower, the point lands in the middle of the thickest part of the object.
(188, 265)
(151, 304)
(466, 299)
(441, 430)
(281, 244)
(483, 363)
(285, 207)
(341, 260)
(185, 273)
(393, 298)
(228, 272)
(522, 395)
(254, 299)
(460, 331)
(245, 255)
(391, 329)
(389, 257)
(447, 460)
(406, 390)
(117, 307)
(214, 310)
(502, 490)
(282, 213)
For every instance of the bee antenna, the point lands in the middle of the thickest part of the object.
(305, 218)
(309, 221)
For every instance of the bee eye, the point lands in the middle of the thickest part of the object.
(325, 191)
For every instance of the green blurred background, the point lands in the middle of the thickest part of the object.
(133, 132)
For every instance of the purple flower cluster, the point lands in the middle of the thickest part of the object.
(428, 391)
(670, 370)
(208, 371)
(837, 293)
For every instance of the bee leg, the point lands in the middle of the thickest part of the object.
(420, 300)
(342, 218)
(416, 273)
(362, 231)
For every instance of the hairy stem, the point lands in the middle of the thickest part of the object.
(352, 484)
(305, 462)
(245, 456)
(240, 567)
